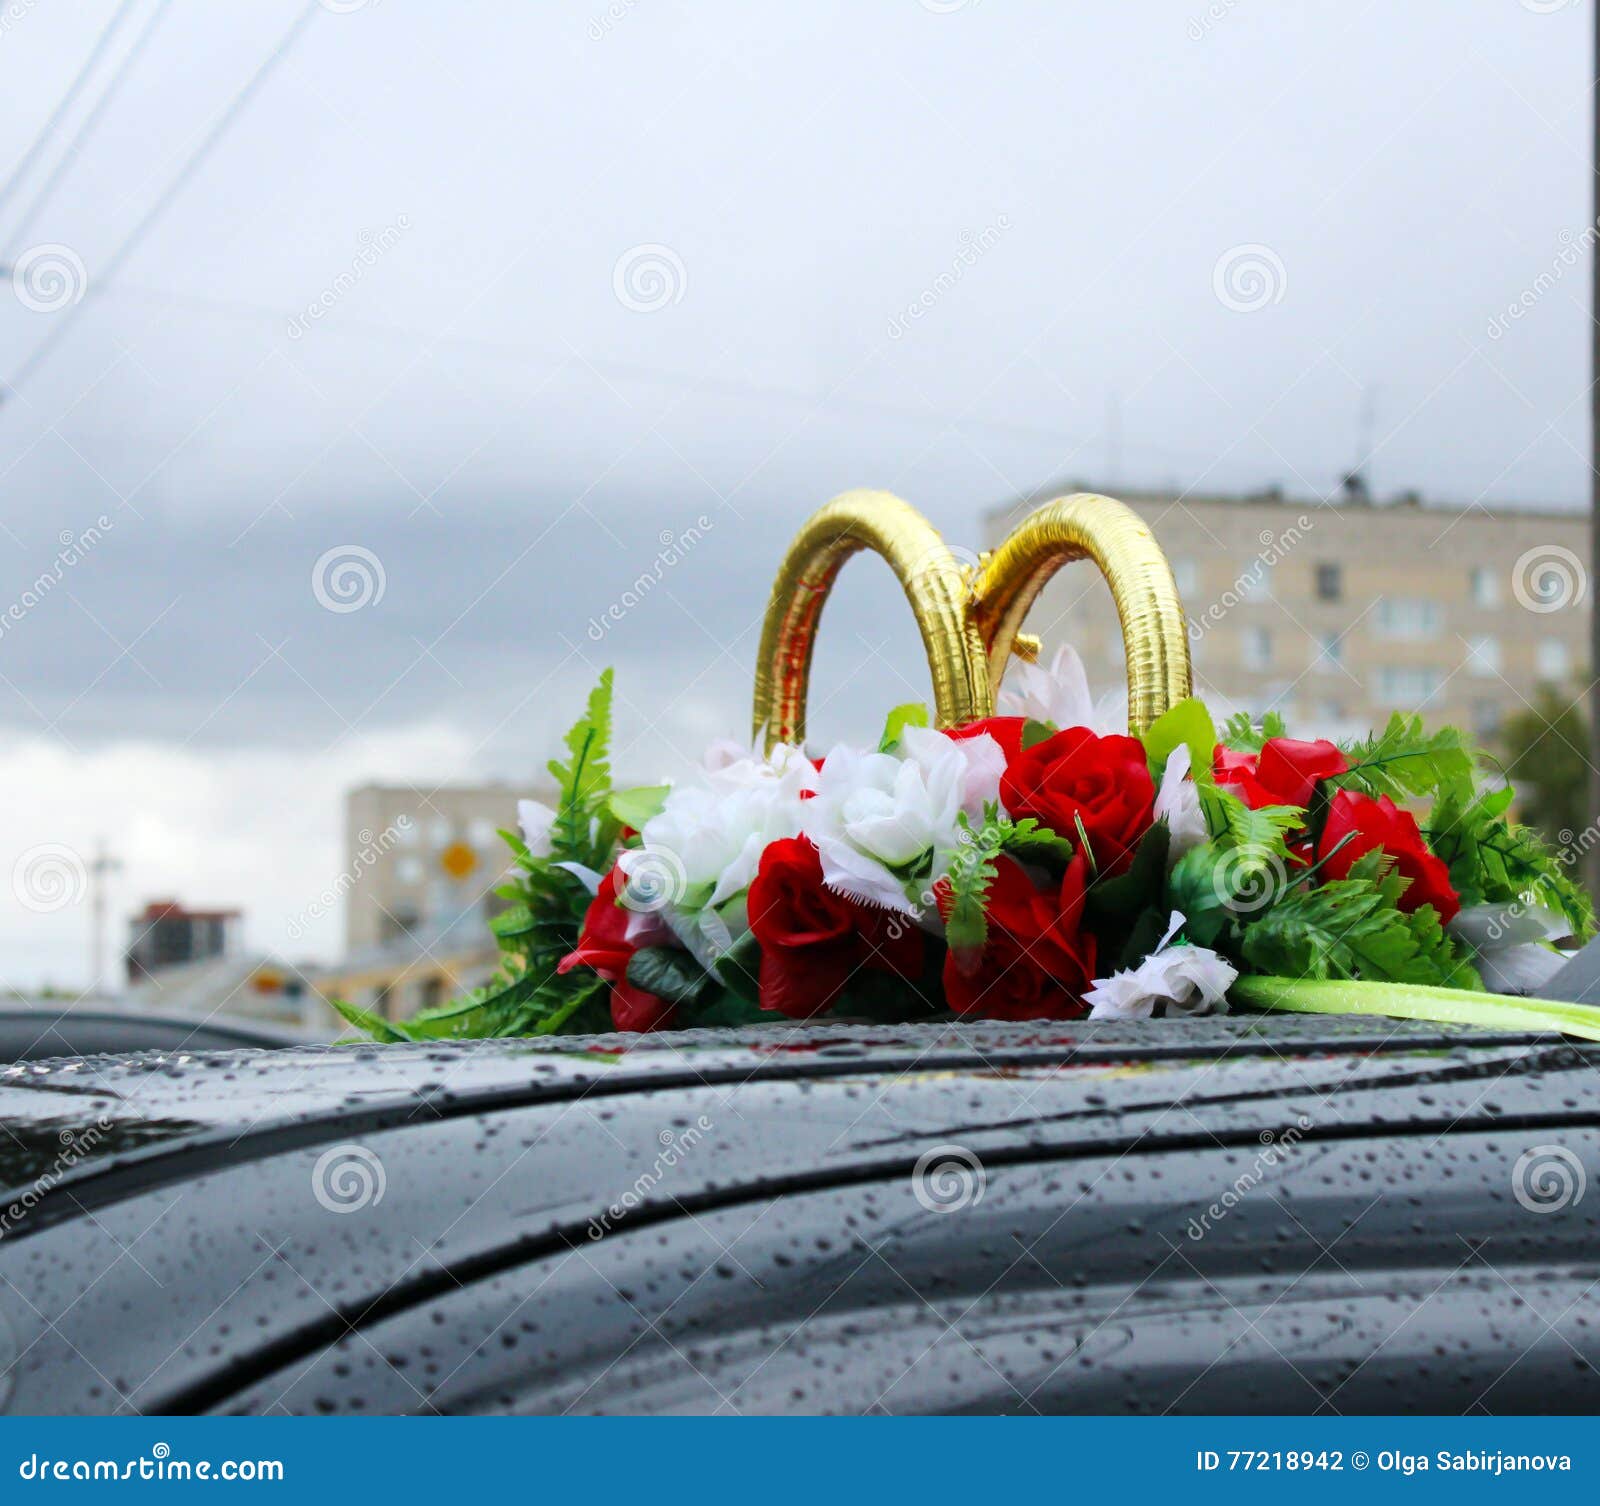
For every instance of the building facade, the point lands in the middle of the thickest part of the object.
(1337, 614)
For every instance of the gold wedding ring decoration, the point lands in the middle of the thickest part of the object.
(970, 616)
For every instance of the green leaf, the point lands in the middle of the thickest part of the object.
(519, 920)
(1032, 843)
(562, 1016)
(1188, 722)
(1034, 732)
(667, 973)
(1122, 897)
(972, 870)
(1194, 888)
(1405, 761)
(912, 714)
(583, 779)
(636, 806)
(368, 1022)
(1241, 733)
(739, 967)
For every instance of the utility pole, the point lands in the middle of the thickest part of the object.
(100, 869)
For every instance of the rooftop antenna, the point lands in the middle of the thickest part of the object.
(101, 868)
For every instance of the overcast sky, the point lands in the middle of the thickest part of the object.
(484, 301)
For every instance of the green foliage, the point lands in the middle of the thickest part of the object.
(972, 870)
(912, 714)
(1241, 733)
(1406, 762)
(1351, 928)
(1495, 861)
(1546, 748)
(635, 807)
(1188, 722)
(668, 973)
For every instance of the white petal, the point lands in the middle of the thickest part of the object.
(1178, 803)
(536, 819)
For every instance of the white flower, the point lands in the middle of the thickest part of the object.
(1187, 979)
(1507, 941)
(875, 813)
(536, 819)
(712, 836)
(1060, 695)
(1178, 804)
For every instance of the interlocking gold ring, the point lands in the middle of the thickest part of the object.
(970, 622)
(934, 581)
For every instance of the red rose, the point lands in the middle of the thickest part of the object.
(604, 946)
(1005, 730)
(1284, 773)
(1037, 963)
(1074, 776)
(813, 940)
(1381, 824)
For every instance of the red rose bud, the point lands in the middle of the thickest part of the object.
(1284, 773)
(813, 941)
(1037, 962)
(1074, 776)
(604, 946)
(1381, 825)
(1005, 730)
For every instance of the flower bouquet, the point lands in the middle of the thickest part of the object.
(1030, 864)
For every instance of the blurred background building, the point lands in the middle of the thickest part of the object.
(1336, 614)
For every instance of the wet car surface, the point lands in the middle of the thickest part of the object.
(1272, 1215)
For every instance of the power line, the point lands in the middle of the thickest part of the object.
(73, 149)
(65, 103)
(66, 318)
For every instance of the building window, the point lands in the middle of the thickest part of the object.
(1329, 654)
(1485, 587)
(1485, 719)
(1257, 648)
(1407, 686)
(1185, 575)
(1408, 617)
(440, 832)
(1255, 582)
(1330, 582)
(406, 832)
(1483, 656)
(1554, 663)
(481, 833)
(409, 870)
